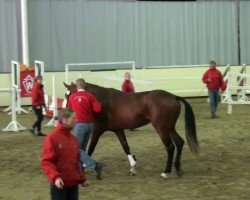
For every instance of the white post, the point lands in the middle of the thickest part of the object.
(14, 79)
(66, 73)
(39, 68)
(133, 66)
(55, 111)
(15, 82)
(54, 103)
(244, 72)
(25, 40)
(15, 71)
(229, 95)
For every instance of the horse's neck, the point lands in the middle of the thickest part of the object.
(101, 93)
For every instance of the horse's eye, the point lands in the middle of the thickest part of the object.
(68, 92)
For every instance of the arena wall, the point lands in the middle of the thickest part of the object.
(142, 81)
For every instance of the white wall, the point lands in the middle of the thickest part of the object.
(137, 76)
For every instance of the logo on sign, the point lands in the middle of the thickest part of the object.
(28, 83)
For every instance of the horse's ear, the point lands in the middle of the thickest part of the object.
(67, 86)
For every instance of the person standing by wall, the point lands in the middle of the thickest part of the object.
(37, 101)
(214, 81)
(85, 106)
(127, 86)
(61, 157)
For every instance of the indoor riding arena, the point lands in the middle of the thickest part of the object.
(188, 63)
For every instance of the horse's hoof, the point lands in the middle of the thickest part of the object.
(132, 172)
(164, 176)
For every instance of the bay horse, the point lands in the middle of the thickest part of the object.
(129, 111)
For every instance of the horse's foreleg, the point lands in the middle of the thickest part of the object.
(123, 140)
(94, 140)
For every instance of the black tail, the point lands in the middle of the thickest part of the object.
(190, 126)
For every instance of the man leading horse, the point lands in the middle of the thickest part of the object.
(129, 111)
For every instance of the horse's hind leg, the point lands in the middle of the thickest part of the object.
(179, 142)
(123, 140)
(169, 145)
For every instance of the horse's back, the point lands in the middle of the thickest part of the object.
(161, 97)
(143, 101)
(162, 105)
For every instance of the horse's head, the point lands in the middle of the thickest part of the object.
(71, 89)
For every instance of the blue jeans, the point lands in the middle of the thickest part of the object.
(82, 132)
(214, 98)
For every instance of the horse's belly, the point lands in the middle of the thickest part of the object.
(128, 123)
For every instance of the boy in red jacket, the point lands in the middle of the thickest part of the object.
(214, 81)
(61, 158)
(127, 86)
(37, 101)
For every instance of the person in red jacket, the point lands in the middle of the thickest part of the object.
(127, 86)
(37, 101)
(61, 157)
(85, 106)
(214, 81)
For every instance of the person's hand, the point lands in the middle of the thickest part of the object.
(85, 184)
(38, 107)
(221, 91)
(59, 183)
(209, 80)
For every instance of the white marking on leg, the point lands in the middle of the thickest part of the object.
(131, 160)
(165, 175)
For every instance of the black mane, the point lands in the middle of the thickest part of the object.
(104, 95)
(104, 89)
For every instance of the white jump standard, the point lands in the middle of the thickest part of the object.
(241, 90)
(14, 125)
(15, 81)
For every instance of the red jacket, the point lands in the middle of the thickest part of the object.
(61, 157)
(128, 87)
(214, 79)
(37, 95)
(85, 105)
